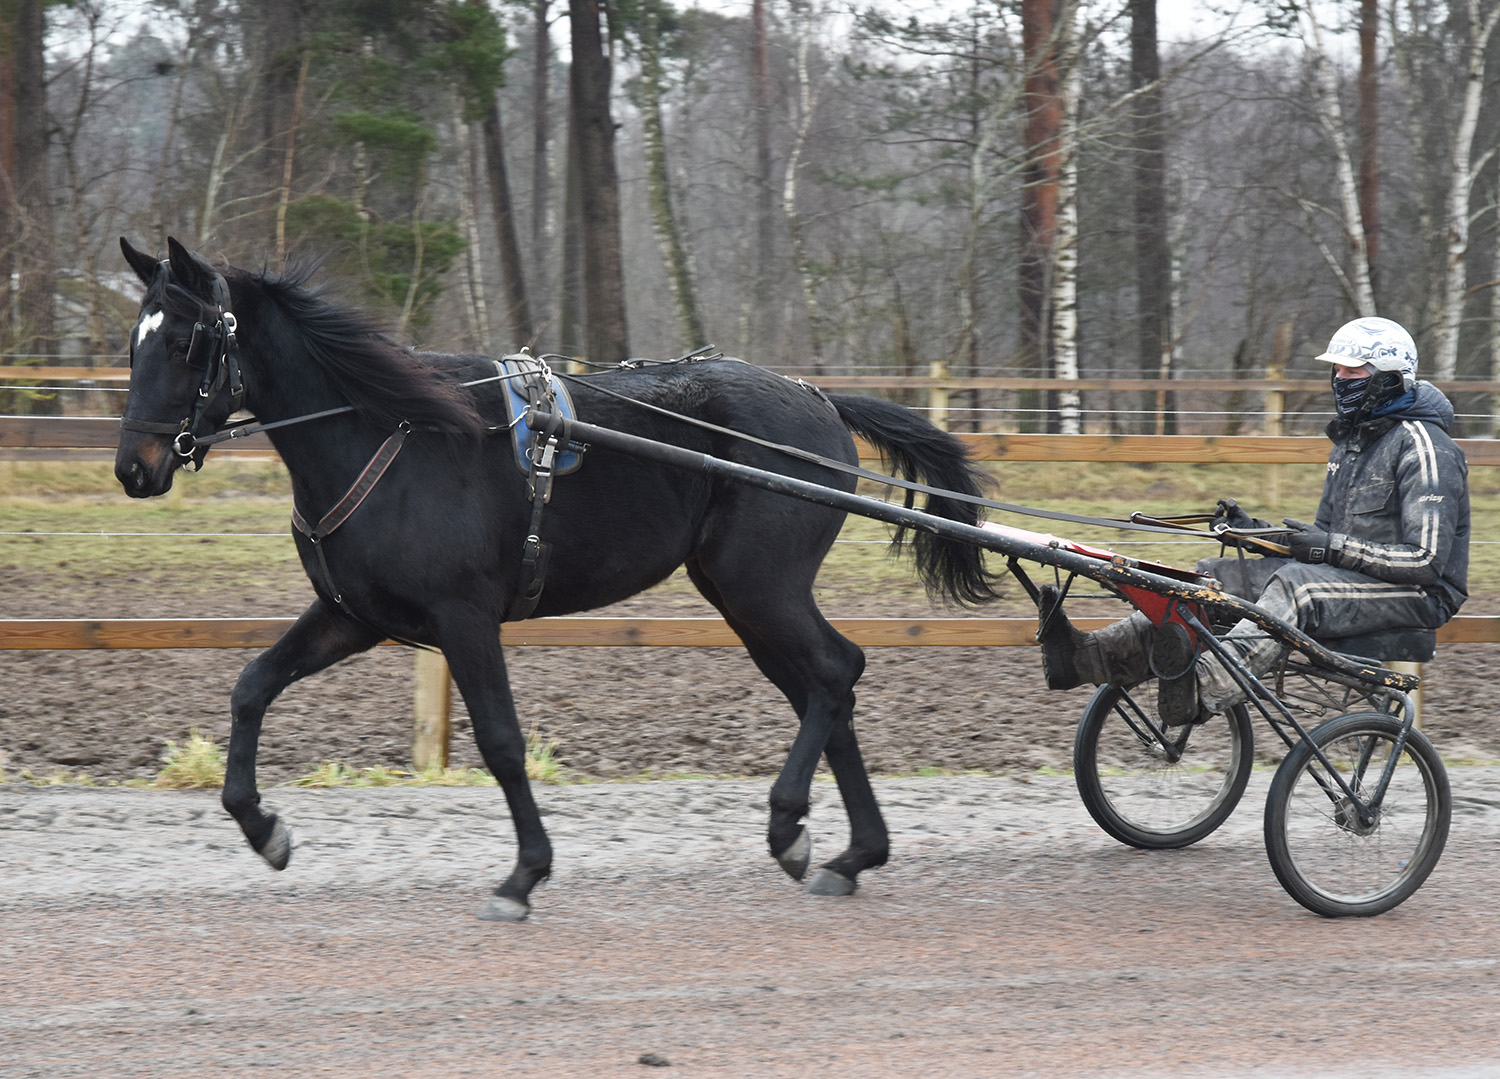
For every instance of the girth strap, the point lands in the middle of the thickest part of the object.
(543, 458)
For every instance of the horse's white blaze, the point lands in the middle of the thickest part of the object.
(148, 325)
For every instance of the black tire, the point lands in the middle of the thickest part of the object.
(1324, 857)
(1153, 787)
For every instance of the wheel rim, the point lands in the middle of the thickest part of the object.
(1165, 789)
(1352, 862)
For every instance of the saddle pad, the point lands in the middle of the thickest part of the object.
(525, 384)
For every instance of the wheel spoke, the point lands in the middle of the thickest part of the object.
(1154, 786)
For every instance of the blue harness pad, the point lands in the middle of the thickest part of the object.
(524, 386)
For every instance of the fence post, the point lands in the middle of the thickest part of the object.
(1281, 353)
(432, 693)
(937, 396)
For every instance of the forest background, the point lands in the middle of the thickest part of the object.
(1020, 188)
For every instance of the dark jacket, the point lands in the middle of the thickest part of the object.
(1396, 500)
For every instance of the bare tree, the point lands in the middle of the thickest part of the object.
(1153, 255)
(541, 99)
(808, 86)
(664, 216)
(1463, 172)
(1331, 118)
(1369, 138)
(599, 188)
(1064, 299)
(1041, 183)
(28, 190)
(765, 193)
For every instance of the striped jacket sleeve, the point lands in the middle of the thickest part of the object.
(1407, 540)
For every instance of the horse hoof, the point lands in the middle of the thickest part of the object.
(826, 882)
(278, 849)
(796, 858)
(500, 908)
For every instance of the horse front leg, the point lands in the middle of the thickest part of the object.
(471, 642)
(318, 639)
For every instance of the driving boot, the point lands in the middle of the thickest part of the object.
(1117, 654)
(1174, 659)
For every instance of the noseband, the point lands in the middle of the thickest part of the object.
(214, 350)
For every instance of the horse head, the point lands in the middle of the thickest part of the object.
(184, 374)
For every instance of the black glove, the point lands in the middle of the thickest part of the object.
(1313, 546)
(1230, 514)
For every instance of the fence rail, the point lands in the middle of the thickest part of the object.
(41, 437)
(692, 632)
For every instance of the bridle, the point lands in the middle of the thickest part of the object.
(214, 350)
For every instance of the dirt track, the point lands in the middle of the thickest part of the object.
(1007, 937)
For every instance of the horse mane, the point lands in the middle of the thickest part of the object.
(384, 381)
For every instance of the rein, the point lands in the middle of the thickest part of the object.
(881, 477)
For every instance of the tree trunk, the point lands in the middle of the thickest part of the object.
(541, 98)
(517, 304)
(70, 140)
(1461, 172)
(283, 52)
(1040, 189)
(475, 303)
(599, 192)
(1495, 309)
(1065, 254)
(765, 192)
(34, 332)
(807, 103)
(669, 240)
(570, 283)
(10, 218)
(1369, 139)
(1153, 255)
(289, 158)
(984, 123)
(1331, 119)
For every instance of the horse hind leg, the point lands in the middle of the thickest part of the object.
(318, 639)
(815, 667)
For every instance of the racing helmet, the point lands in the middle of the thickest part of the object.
(1379, 343)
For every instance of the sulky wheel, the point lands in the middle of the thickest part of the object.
(1331, 856)
(1158, 787)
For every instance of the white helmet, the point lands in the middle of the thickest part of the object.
(1378, 342)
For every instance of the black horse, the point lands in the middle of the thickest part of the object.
(431, 546)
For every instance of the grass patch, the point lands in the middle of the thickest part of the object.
(59, 778)
(197, 764)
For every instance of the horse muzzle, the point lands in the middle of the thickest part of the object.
(144, 465)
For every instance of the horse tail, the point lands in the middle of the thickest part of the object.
(919, 451)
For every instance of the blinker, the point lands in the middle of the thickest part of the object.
(199, 346)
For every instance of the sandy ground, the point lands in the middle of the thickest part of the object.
(1008, 937)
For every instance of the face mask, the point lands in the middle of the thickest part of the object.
(1348, 393)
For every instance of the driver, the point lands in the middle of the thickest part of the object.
(1389, 548)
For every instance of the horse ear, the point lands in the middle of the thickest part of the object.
(191, 272)
(144, 265)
